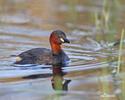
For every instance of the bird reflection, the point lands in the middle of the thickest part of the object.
(58, 81)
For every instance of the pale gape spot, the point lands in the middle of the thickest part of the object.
(62, 39)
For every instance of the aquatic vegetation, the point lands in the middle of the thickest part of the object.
(106, 25)
(106, 22)
(120, 51)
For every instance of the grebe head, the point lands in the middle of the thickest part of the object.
(56, 39)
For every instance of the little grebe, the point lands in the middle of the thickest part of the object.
(46, 56)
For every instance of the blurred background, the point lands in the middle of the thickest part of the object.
(94, 27)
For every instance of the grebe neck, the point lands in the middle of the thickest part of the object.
(56, 48)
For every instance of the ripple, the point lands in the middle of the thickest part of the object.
(17, 18)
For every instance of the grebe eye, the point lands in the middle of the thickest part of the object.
(62, 40)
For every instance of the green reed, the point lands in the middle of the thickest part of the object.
(120, 51)
(96, 20)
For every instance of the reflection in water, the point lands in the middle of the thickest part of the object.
(58, 82)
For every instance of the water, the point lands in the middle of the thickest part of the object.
(93, 60)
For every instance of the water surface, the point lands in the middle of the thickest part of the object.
(91, 74)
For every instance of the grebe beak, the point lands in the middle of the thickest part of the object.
(66, 40)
